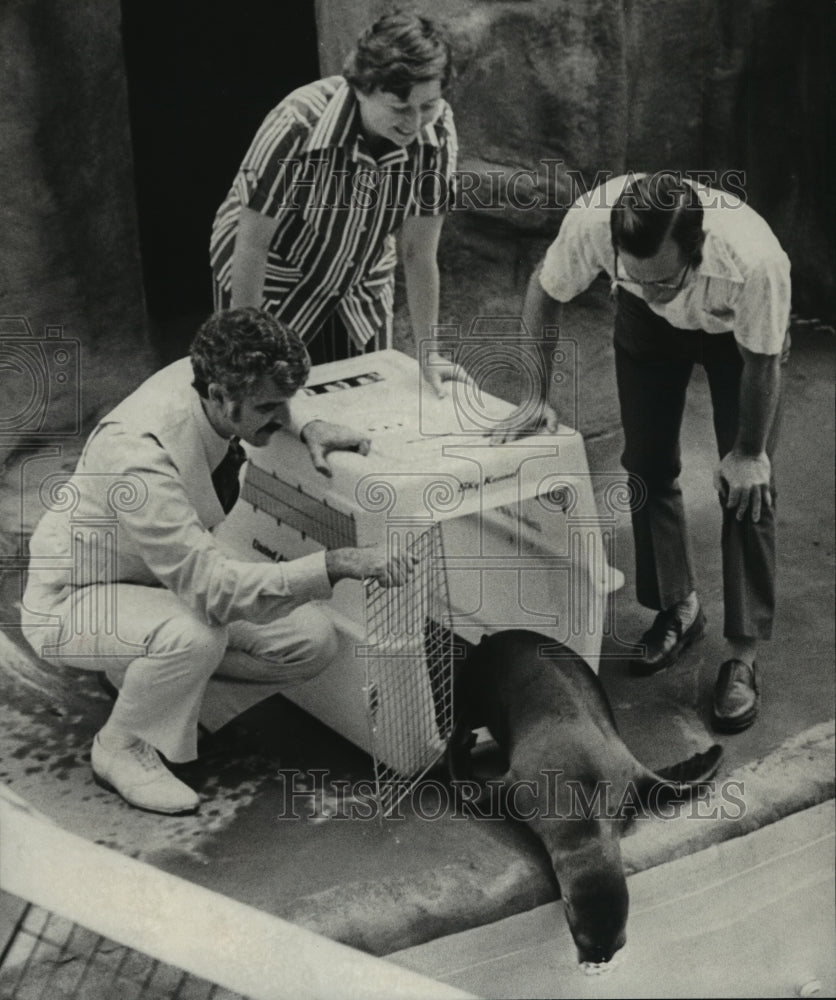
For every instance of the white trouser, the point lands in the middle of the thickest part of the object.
(161, 657)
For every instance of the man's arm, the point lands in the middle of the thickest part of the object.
(540, 310)
(418, 239)
(372, 562)
(744, 474)
(249, 258)
(167, 534)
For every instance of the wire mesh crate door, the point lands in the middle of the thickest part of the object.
(409, 667)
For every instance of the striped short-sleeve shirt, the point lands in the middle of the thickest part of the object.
(338, 208)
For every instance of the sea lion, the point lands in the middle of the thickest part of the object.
(573, 779)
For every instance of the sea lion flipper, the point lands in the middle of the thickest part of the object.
(699, 768)
(679, 781)
(457, 755)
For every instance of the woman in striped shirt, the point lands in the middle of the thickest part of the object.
(307, 231)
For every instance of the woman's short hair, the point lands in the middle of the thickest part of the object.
(237, 348)
(396, 52)
(653, 206)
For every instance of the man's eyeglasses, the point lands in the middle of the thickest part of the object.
(666, 285)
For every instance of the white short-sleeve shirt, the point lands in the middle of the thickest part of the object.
(742, 284)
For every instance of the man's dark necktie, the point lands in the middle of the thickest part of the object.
(225, 476)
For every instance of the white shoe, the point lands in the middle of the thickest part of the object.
(140, 777)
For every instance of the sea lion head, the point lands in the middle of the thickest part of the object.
(596, 904)
(586, 855)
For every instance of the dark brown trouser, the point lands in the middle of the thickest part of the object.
(654, 361)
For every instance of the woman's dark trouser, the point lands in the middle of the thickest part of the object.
(331, 342)
(654, 361)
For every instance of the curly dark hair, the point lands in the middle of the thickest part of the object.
(651, 207)
(236, 348)
(396, 52)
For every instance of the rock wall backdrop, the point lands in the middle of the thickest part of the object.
(70, 263)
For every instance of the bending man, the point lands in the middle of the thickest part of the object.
(698, 278)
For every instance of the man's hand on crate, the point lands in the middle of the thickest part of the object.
(527, 419)
(371, 561)
(322, 437)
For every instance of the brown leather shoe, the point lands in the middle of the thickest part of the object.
(736, 697)
(665, 641)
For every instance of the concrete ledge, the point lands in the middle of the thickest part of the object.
(395, 913)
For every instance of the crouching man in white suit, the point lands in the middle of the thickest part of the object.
(151, 598)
